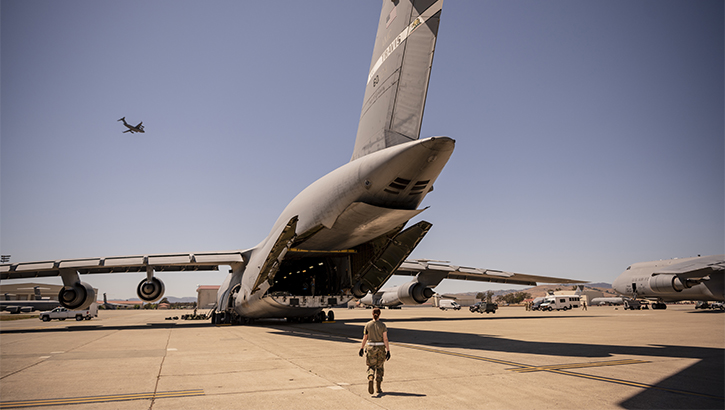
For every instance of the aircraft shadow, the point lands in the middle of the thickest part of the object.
(474, 316)
(707, 374)
(92, 327)
(708, 371)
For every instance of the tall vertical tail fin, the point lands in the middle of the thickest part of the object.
(398, 79)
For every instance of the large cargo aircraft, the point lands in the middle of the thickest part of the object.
(344, 235)
(701, 278)
(24, 306)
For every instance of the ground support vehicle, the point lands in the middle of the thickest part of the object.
(62, 313)
(446, 304)
(560, 302)
(634, 304)
(483, 307)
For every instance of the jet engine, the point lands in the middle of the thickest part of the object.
(360, 290)
(77, 297)
(411, 293)
(668, 284)
(150, 289)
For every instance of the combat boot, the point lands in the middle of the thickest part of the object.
(380, 389)
(370, 385)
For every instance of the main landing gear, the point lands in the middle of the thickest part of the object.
(318, 318)
(229, 318)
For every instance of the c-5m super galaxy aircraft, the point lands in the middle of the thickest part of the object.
(132, 128)
(344, 235)
(21, 306)
(672, 280)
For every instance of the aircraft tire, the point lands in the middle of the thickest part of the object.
(330, 316)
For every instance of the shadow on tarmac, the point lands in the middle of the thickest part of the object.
(398, 394)
(82, 328)
(700, 386)
(707, 375)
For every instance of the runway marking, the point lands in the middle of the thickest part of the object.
(636, 384)
(100, 399)
(521, 368)
(577, 365)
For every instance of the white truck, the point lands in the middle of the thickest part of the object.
(559, 302)
(62, 313)
(446, 304)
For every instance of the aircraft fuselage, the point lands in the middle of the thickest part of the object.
(352, 205)
(639, 278)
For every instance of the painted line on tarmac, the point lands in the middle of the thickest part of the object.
(636, 384)
(524, 368)
(577, 365)
(100, 399)
(464, 355)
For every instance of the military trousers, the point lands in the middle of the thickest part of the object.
(375, 359)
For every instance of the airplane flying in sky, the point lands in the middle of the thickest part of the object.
(345, 234)
(131, 128)
(672, 280)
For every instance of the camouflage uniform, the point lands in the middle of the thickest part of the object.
(375, 359)
(375, 350)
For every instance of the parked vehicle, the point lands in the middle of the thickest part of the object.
(712, 305)
(483, 307)
(62, 313)
(536, 305)
(446, 304)
(634, 304)
(559, 302)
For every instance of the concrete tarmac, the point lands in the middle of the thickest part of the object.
(601, 358)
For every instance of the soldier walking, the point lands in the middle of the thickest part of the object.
(376, 349)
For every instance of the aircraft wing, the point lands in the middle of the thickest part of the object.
(177, 262)
(431, 273)
(695, 267)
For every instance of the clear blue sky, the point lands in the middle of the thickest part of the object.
(589, 134)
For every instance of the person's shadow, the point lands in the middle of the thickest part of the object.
(399, 394)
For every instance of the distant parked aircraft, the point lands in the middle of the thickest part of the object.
(17, 306)
(672, 280)
(612, 300)
(113, 306)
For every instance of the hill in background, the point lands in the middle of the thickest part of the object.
(541, 290)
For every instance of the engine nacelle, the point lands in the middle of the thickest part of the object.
(150, 290)
(360, 290)
(666, 284)
(77, 297)
(414, 293)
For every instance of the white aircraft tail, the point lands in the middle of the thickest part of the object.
(398, 79)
